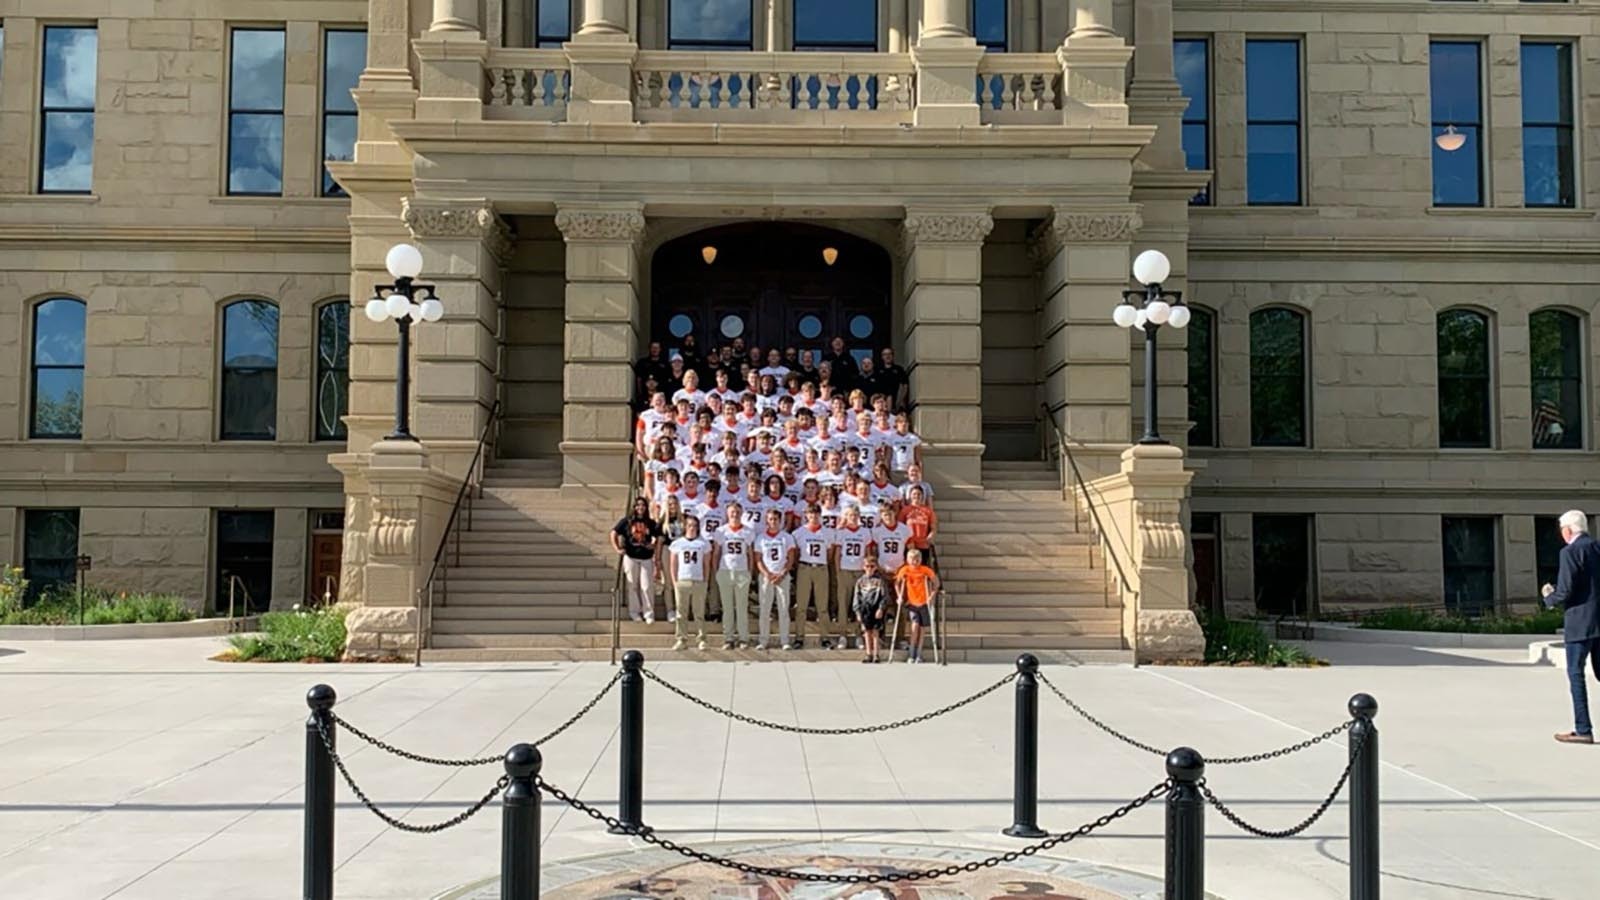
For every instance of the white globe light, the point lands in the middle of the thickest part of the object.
(1179, 318)
(403, 261)
(1159, 311)
(432, 310)
(1140, 318)
(1124, 315)
(397, 306)
(1151, 267)
(377, 310)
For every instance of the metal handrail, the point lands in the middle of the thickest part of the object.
(941, 631)
(236, 581)
(634, 473)
(472, 478)
(1064, 449)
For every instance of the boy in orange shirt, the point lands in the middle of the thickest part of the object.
(914, 585)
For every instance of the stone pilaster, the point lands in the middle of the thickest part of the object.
(1084, 358)
(1154, 96)
(1165, 628)
(944, 339)
(601, 55)
(451, 56)
(386, 92)
(1094, 65)
(464, 246)
(946, 55)
(603, 322)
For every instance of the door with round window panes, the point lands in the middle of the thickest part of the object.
(771, 285)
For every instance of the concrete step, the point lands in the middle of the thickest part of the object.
(509, 569)
(663, 640)
(462, 596)
(979, 656)
(522, 586)
(524, 612)
(1011, 596)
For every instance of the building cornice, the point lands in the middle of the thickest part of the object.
(199, 236)
(1380, 7)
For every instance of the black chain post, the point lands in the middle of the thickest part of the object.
(318, 862)
(1186, 826)
(630, 788)
(519, 825)
(1025, 765)
(1363, 798)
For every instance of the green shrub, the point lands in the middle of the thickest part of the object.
(1244, 643)
(1545, 621)
(58, 605)
(303, 634)
(13, 587)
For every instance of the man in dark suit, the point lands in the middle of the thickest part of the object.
(1577, 590)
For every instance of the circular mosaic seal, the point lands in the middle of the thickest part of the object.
(656, 874)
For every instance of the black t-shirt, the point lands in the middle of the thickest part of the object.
(844, 370)
(647, 367)
(807, 376)
(639, 536)
(890, 379)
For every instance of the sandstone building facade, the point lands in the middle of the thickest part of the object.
(1386, 395)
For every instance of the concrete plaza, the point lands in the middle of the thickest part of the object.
(140, 770)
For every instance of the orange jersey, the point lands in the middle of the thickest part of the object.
(915, 580)
(923, 520)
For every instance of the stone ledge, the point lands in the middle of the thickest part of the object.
(131, 631)
(1351, 634)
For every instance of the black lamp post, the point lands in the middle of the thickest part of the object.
(1148, 309)
(398, 302)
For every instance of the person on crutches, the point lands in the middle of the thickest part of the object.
(915, 586)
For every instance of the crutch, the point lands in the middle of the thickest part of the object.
(894, 634)
(934, 614)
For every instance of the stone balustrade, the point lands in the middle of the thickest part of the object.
(1019, 89)
(677, 85)
(528, 84)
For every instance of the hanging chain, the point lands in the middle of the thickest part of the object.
(391, 821)
(1223, 761)
(1356, 748)
(651, 837)
(477, 760)
(802, 729)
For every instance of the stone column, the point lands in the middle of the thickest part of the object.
(454, 15)
(464, 246)
(1091, 20)
(451, 57)
(1094, 64)
(1084, 356)
(601, 55)
(946, 56)
(944, 339)
(603, 322)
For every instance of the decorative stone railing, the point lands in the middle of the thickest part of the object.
(1019, 88)
(774, 87)
(528, 84)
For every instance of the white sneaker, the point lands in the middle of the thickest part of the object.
(635, 617)
(727, 645)
(649, 620)
(844, 643)
(786, 647)
(678, 644)
(759, 646)
(701, 645)
(672, 616)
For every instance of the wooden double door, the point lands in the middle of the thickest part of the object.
(771, 285)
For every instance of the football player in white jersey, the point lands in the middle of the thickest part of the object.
(690, 391)
(854, 542)
(815, 545)
(865, 508)
(905, 448)
(775, 558)
(882, 489)
(687, 575)
(733, 565)
(893, 539)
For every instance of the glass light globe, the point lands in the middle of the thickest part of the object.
(432, 310)
(1140, 318)
(1124, 315)
(1158, 311)
(1151, 267)
(403, 261)
(1179, 318)
(377, 310)
(397, 305)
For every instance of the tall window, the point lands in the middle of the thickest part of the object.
(1191, 60)
(1272, 127)
(1463, 337)
(67, 110)
(1202, 333)
(1555, 343)
(840, 25)
(49, 548)
(57, 388)
(1277, 378)
(1547, 156)
(553, 25)
(244, 559)
(250, 371)
(255, 112)
(988, 24)
(333, 369)
(709, 25)
(1456, 86)
(1281, 551)
(1469, 564)
(344, 55)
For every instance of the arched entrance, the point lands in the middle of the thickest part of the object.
(773, 285)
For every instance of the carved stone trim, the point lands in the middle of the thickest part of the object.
(458, 220)
(619, 225)
(1076, 226)
(393, 531)
(948, 228)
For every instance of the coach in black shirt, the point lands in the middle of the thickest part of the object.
(652, 364)
(844, 366)
(892, 378)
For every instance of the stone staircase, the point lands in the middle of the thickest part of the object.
(535, 577)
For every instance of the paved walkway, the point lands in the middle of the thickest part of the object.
(141, 770)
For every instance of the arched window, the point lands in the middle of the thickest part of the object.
(333, 369)
(1202, 333)
(1555, 345)
(1277, 378)
(250, 371)
(1463, 336)
(57, 377)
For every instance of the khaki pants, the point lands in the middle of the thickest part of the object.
(811, 581)
(691, 597)
(844, 589)
(773, 595)
(735, 590)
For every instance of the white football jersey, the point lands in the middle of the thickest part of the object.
(831, 517)
(869, 515)
(712, 518)
(892, 544)
(691, 557)
(853, 546)
(734, 546)
(774, 549)
(902, 450)
(696, 398)
(886, 493)
(814, 545)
